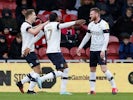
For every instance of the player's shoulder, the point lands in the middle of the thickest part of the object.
(25, 24)
(90, 24)
(104, 24)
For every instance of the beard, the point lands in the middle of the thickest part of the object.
(93, 18)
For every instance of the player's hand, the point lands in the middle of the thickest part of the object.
(80, 22)
(78, 52)
(26, 51)
(102, 54)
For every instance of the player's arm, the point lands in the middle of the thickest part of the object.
(106, 40)
(35, 30)
(84, 41)
(34, 40)
(106, 32)
(68, 24)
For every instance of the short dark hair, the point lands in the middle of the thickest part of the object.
(29, 12)
(97, 10)
(53, 17)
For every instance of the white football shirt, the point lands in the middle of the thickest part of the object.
(97, 31)
(53, 37)
(26, 36)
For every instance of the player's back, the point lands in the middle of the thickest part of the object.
(53, 37)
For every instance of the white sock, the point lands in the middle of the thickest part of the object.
(92, 81)
(110, 78)
(26, 78)
(64, 80)
(51, 75)
(33, 82)
(32, 85)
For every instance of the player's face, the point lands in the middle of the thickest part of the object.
(93, 15)
(33, 17)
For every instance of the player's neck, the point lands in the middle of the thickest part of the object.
(97, 20)
(29, 21)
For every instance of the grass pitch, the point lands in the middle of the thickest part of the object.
(57, 96)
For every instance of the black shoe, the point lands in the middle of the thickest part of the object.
(20, 86)
(31, 92)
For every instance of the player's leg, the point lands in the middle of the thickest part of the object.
(35, 65)
(64, 80)
(108, 74)
(93, 64)
(34, 76)
(58, 73)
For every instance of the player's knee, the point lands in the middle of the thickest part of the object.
(65, 65)
(104, 70)
(57, 73)
(66, 70)
(37, 69)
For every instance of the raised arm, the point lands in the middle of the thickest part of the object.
(35, 30)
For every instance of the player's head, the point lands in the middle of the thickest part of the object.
(30, 15)
(94, 13)
(53, 17)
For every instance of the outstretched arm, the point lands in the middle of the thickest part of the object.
(35, 30)
(68, 24)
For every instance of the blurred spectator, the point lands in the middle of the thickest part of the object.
(21, 18)
(106, 15)
(7, 19)
(15, 48)
(20, 3)
(78, 4)
(124, 23)
(1, 27)
(69, 37)
(84, 10)
(114, 9)
(3, 47)
(126, 48)
(66, 4)
(9, 37)
(129, 4)
(47, 5)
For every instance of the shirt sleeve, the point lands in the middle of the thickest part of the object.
(85, 40)
(105, 27)
(106, 35)
(36, 38)
(65, 25)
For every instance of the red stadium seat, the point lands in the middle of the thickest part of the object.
(113, 51)
(113, 39)
(87, 51)
(42, 17)
(66, 53)
(131, 39)
(42, 53)
(69, 17)
(74, 54)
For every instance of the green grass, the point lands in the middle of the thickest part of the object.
(56, 96)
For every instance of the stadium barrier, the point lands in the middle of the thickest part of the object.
(10, 73)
